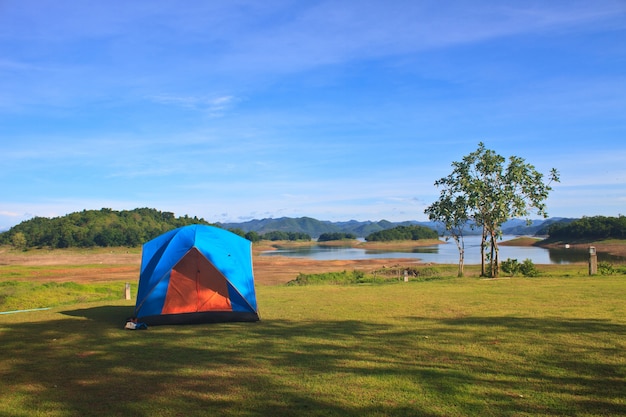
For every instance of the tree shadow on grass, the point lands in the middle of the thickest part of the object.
(109, 315)
(581, 359)
(233, 369)
(414, 366)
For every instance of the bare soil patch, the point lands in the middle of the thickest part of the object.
(520, 241)
(119, 264)
(272, 270)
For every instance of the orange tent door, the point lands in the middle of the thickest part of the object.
(196, 285)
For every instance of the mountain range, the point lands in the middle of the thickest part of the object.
(314, 227)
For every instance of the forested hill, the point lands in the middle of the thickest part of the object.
(315, 228)
(90, 228)
(593, 228)
(107, 227)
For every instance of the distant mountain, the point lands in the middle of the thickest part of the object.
(536, 227)
(307, 225)
(108, 227)
(315, 228)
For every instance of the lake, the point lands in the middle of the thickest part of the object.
(446, 253)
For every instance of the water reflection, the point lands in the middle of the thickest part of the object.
(446, 253)
(565, 256)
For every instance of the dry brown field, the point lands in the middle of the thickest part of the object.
(119, 264)
(106, 264)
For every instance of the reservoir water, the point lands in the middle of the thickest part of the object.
(446, 253)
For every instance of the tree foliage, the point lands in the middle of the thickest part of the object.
(280, 235)
(451, 211)
(597, 227)
(327, 237)
(486, 190)
(89, 228)
(402, 233)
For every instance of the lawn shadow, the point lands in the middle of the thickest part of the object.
(109, 315)
(85, 367)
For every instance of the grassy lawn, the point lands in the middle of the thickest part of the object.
(457, 347)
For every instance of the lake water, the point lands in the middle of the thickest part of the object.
(446, 253)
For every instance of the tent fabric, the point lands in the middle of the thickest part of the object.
(196, 285)
(196, 274)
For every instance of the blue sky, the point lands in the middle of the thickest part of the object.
(338, 110)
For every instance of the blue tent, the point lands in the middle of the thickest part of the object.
(196, 274)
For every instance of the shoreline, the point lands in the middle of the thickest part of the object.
(116, 264)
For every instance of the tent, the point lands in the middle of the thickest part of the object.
(196, 274)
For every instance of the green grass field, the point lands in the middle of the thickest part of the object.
(551, 346)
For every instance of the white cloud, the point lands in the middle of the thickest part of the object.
(335, 32)
(211, 106)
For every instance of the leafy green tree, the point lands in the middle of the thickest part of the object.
(238, 232)
(18, 241)
(490, 192)
(451, 210)
(252, 236)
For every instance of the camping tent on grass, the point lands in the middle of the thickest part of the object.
(196, 274)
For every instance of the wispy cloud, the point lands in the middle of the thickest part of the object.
(210, 106)
(335, 32)
(352, 109)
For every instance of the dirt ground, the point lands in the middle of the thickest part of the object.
(100, 265)
(120, 264)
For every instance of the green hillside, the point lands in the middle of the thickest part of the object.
(89, 228)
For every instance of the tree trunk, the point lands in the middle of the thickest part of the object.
(496, 256)
(460, 244)
(492, 270)
(483, 244)
(494, 261)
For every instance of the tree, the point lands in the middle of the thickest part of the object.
(412, 232)
(329, 236)
(252, 236)
(484, 191)
(18, 240)
(451, 210)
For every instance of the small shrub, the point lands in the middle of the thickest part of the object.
(428, 272)
(337, 278)
(605, 268)
(528, 269)
(72, 286)
(510, 266)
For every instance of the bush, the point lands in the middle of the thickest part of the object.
(412, 232)
(338, 278)
(528, 269)
(327, 237)
(605, 268)
(510, 266)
